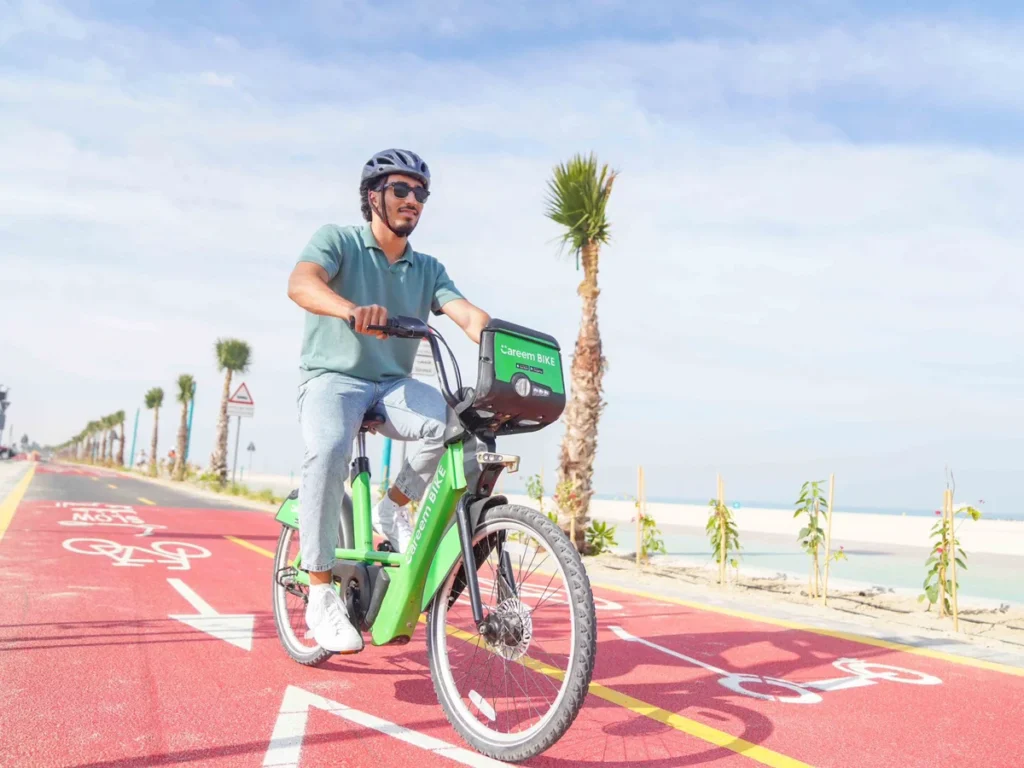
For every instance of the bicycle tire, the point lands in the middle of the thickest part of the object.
(309, 656)
(583, 642)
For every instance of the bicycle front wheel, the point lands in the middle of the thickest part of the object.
(512, 687)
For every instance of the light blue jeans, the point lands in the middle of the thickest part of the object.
(331, 408)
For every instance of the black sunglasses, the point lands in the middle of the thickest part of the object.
(402, 190)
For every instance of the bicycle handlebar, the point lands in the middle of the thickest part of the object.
(404, 327)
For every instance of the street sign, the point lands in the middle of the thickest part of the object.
(241, 403)
(423, 366)
(252, 447)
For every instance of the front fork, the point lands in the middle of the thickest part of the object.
(488, 477)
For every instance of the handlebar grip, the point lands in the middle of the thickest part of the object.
(400, 326)
(386, 328)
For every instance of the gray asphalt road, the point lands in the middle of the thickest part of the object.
(47, 486)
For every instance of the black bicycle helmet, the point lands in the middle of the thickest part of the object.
(397, 161)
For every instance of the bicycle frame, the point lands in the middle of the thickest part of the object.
(416, 575)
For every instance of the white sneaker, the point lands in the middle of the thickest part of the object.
(329, 623)
(393, 521)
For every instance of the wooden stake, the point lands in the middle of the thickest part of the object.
(542, 490)
(945, 550)
(639, 511)
(828, 534)
(721, 531)
(952, 559)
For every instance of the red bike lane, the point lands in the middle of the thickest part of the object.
(97, 672)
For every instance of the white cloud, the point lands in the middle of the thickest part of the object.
(35, 17)
(217, 80)
(763, 295)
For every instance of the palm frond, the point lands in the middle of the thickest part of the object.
(155, 398)
(186, 388)
(233, 355)
(577, 199)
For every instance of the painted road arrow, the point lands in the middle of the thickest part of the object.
(235, 628)
(290, 729)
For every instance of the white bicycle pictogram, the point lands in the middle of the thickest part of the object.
(174, 554)
(859, 673)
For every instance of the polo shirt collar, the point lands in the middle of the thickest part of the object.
(371, 242)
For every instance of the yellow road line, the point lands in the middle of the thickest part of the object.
(10, 505)
(144, 500)
(690, 727)
(248, 545)
(111, 485)
(94, 478)
(953, 658)
(703, 732)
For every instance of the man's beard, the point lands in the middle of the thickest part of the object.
(404, 230)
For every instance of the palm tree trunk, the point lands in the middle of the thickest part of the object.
(120, 447)
(219, 457)
(579, 444)
(179, 461)
(103, 448)
(156, 426)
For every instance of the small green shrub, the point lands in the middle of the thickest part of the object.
(652, 540)
(600, 537)
(718, 518)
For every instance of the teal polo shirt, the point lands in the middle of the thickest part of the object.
(358, 270)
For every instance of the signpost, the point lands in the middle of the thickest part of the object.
(423, 367)
(4, 403)
(251, 449)
(191, 408)
(240, 404)
(135, 434)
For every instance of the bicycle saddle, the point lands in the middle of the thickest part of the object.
(372, 419)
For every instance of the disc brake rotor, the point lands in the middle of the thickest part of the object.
(517, 629)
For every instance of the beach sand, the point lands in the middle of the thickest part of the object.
(1004, 537)
(992, 627)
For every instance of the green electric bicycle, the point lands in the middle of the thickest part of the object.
(510, 626)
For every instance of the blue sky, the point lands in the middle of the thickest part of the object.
(815, 263)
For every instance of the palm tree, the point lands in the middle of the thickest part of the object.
(91, 428)
(232, 355)
(105, 428)
(186, 391)
(154, 399)
(119, 420)
(577, 200)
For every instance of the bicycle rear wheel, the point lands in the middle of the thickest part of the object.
(514, 688)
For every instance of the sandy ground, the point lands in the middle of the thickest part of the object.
(1004, 537)
(991, 627)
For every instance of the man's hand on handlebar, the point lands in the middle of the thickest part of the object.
(363, 317)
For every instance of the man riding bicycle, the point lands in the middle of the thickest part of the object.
(363, 274)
